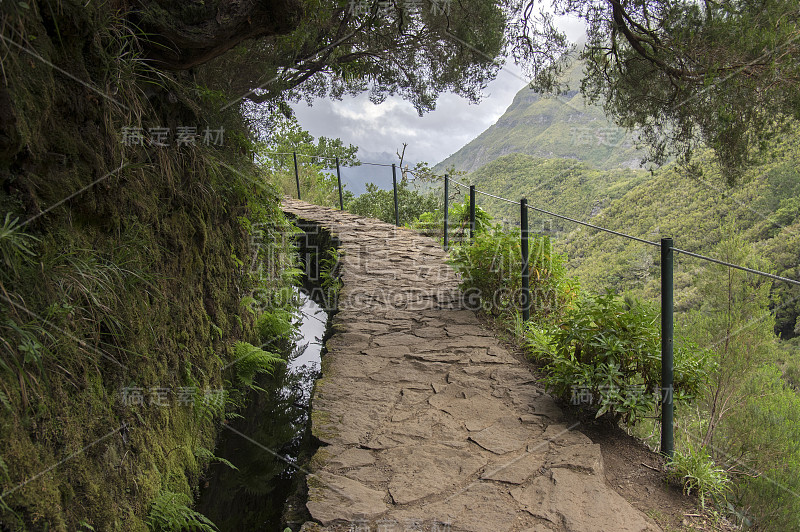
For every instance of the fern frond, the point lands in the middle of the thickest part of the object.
(251, 360)
(204, 454)
(170, 512)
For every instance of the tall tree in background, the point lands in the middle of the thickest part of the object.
(316, 161)
(736, 325)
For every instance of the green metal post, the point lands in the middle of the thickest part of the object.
(339, 179)
(526, 272)
(394, 186)
(296, 174)
(667, 327)
(472, 212)
(446, 214)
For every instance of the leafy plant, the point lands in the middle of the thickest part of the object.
(431, 223)
(275, 324)
(605, 355)
(170, 512)
(251, 361)
(378, 203)
(491, 274)
(209, 409)
(16, 247)
(315, 159)
(208, 456)
(736, 325)
(698, 473)
(490, 269)
(330, 279)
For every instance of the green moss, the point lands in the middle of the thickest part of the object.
(128, 278)
(319, 459)
(323, 425)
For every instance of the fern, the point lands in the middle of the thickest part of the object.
(204, 454)
(169, 512)
(251, 360)
(275, 324)
(208, 409)
(329, 275)
(6, 403)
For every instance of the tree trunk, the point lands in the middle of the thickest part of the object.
(181, 35)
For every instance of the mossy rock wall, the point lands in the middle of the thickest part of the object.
(131, 291)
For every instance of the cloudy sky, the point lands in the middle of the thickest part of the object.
(380, 130)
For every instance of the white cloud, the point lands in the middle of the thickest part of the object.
(382, 128)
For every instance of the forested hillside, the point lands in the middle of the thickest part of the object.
(691, 208)
(565, 186)
(694, 210)
(551, 126)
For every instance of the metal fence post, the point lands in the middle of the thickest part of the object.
(446, 214)
(296, 174)
(339, 179)
(394, 186)
(526, 272)
(667, 326)
(472, 212)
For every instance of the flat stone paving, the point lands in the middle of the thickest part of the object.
(428, 422)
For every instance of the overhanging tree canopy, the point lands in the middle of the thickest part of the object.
(682, 72)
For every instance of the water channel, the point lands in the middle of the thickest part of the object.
(269, 442)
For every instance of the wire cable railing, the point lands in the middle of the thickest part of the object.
(562, 217)
(666, 247)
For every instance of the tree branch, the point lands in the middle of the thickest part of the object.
(177, 41)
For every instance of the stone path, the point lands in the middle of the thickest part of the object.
(429, 423)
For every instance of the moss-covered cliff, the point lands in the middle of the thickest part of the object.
(129, 205)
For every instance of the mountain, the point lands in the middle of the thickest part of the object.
(566, 157)
(549, 126)
(564, 186)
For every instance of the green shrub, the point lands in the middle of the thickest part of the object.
(378, 203)
(605, 355)
(491, 274)
(431, 223)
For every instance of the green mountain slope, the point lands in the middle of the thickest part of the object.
(765, 208)
(693, 210)
(550, 127)
(565, 186)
